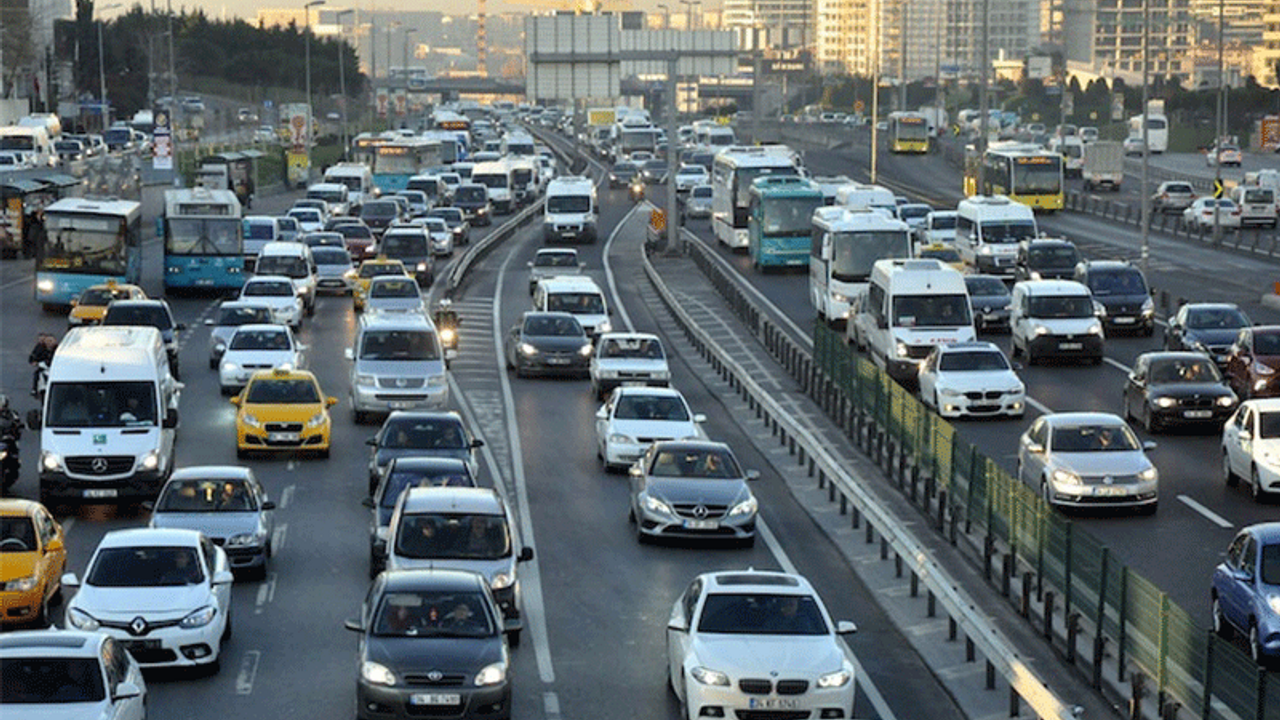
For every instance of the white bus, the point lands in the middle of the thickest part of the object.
(845, 247)
(732, 172)
(1157, 131)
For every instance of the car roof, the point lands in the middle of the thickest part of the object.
(423, 462)
(474, 501)
(268, 278)
(1108, 265)
(968, 346)
(1263, 404)
(431, 579)
(1082, 418)
(13, 507)
(626, 336)
(556, 251)
(262, 327)
(1049, 242)
(422, 415)
(1173, 355)
(219, 472)
(530, 314)
(1210, 306)
(383, 320)
(648, 391)
(761, 581)
(150, 537)
(1267, 533)
(52, 642)
(1052, 287)
(691, 445)
(139, 302)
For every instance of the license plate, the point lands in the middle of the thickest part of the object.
(1072, 346)
(284, 437)
(100, 492)
(701, 524)
(435, 699)
(138, 645)
(557, 361)
(773, 703)
(1197, 414)
(1108, 491)
(1125, 320)
(400, 404)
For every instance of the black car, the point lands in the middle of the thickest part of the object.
(150, 313)
(654, 171)
(1209, 328)
(431, 645)
(1177, 388)
(378, 215)
(411, 246)
(550, 343)
(1120, 295)
(402, 473)
(989, 297)
(1046, 259)
(473, 199)
(419, 433)
(621, 173)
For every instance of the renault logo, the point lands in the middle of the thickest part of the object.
(138, 626)
(98, 465)
(700, 511)
(435, 676)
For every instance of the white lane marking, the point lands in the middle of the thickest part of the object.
(551, 706)
(278, 536)
(1044, 409)
(1116, 364)
(291, 465)
(286, 496)
(266, 593)
(248, 672)
(883, 711)
(1213, 517)
(608, 269)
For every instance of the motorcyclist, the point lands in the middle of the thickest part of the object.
(42, 353)
(10, 433)
(447, 321)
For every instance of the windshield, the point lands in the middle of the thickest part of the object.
(854, 253)
(1064, 306)
(942, 222)
(555, 259)
(399, 345)
(709, 463)
(267, 289)
(451, 216)
(17, 534)
(789, 216)
(243, 315)
(145, 567)
(1259, 195)
(1053, 257)
(1008, 231)
(149, 315)
(986, 287)
(973, 361)
(353, 231)
(370, 270)
(541, 326)
(81, 244)
(911, 212)
(380, 209)
(496, 181)
(650, 407)
(17, 142)
(1040, 177)
(761, 614)
(98, 297)
(1182, 370)
(433, 614)
(290, 266)
(912, 129)
(259, 340)
(282, 391)
(51, 681)
(585, 303)
(206, 495)
(101, 404)
(306, 215)
(921, 311)
(399, 480)
(1094, 438)
(332, 196)
(1266, 343)
(647, 349)
(259, 231)
(288, 224)
(703, 191)
(1216, 319)
(424, 434)
(190, 236)
(401, 245)
(331, 256)
(450, 536)
(569, 204)
(394, 288)
(745, 176)
(1269, 425)
(470, 194)
(1120, 282)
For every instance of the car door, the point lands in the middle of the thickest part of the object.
(1135, 387)
(1031, 464)
(683, 615)
(604, 419)
(1238, 357)
(929, 380)
(119, 668)
(53, 551)
(1240, 584)
(216, 560)
(1231, 439)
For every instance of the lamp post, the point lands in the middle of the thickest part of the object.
(102, 70)
(1221, 126)
(666, 15)
(342, 79)
(306, 9)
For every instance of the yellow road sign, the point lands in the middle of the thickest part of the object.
(1217, 188)
(658, 220)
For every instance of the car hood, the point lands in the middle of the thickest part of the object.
(446, 654)
(275, 302)
(14, 565)
(260, 357)
(113, 603)
(979, 380)
(1106, 462)
(65, 711)
(1212, 336)
(405, 304)
(1206, 389)
(765, 655)
(334, 270)
(217, 525)
(555, 342)
(698, 490)
(989, 302)
(658, 429)
(488, 568)
(400, 368)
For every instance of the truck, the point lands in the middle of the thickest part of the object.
(937, 118)
(1103, 165)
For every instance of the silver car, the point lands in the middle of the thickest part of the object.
(692, 489)
(552, 262)
(1081, 460)
(697, 204)
(231, 315)
(227, 504)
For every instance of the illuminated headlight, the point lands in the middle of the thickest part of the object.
(448, 336)
(150, 461)
(199, 618)
(1148, 308)
(1226, 401)
(527, 349)
(746, 507)
(251, 420)
(482, 211)
(653, 504)
(605, 327)
(81, 620)
(220, 347)
(838, 298)
(902, 350)
(585, 350)
(491, 674)
(501, 581)
(1148, 475)
(1260, 369)
(244, 540)
(1165, 402)
(1035, 275)
(422, 267)
(230, 367)
(707, 676)
(836, 679)
(1273, 602)
(1040, 330)
(1065, 477)
(50, 461)
(437, 382)
(620, 439)
(1095, 329)
(21, 584)
(1099, 309)
(363, 379)
(377, 674)
(45, 286)
(984, 250)
(316, 420)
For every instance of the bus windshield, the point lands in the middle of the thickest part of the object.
(788, 215)
(405, 162)
(1037, 178)
(79, 244)
(913, 130)
(854, 253)
(194, 236)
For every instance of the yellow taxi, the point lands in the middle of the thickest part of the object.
(368, 270)
(91, 306)
(33, 556)
(282, 409)
(944, 253)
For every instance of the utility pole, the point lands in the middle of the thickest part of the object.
(984, 101)
(342, 77)
(1145, 195)
(878, 25)
(1220, 127)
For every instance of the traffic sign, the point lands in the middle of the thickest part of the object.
(858, 106)
(658, 220)
(1217, 187)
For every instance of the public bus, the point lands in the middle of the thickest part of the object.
(364, 147)
(203, 240)
(778, 220)
(844, 246)
(1024, 173)
(908, 132)
(395, 161)
(87, 242)
(732, 172)
(1157, 131)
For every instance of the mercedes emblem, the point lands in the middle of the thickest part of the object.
(401, 382)
(138, 626)
(98, 465)
(700, 511)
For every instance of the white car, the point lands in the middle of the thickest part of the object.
(550, 262)
(333, 270)
(757, 643)
(276, 292)
(394, 292)
(635, 417)
(1251, 447)
(627, 359)
(68, 675)
(971, 379)
(165, 594)
(1200, 214)
(309, 219)
(258, 347)
(690, 176)
(441, 236)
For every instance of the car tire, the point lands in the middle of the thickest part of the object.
(1255, 643)
(1150, 422)
(1228, 476)
(513, 639)
(747, 543)
(323, 454)
(241, 454)
(213, 364)
(226, 631)
(1218, 621)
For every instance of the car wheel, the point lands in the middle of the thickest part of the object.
(323, 454)
(359, 417)
(685, 711)
(1255, 486)
(1046, 493)
(1227, 474)
(1255, 643)
(241, 454)
(1220, 625)
(213, 364)
(748, 542)
(513, 639)
(1150, 422)
(226, 630)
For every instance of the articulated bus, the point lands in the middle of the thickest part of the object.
(732, 172)
(781, 209)
(908, 132)
(203, 240)
(87, 242)
(1024, 173)
(395, 161)
(844, 246)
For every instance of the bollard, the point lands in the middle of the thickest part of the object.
(931, 603)
(988, 550)
(1006, 574)
(1014, 703)
(844, 504)
(1099, 653)
(1024, 607)
(822, 478)
(1073, 631)
(952, 628)
(970, 652)
(800, 457)
(1138, 685)
(897, 565)
(942, 511)
(991, 676)
(1168, 707)
(915, 584)
(1049, 597)
(884, 551)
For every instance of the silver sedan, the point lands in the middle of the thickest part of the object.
(1080, 460)
(692, 489)
(228, 505)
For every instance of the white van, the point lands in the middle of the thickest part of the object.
(1054, 318)
(294, 261)
(910, 307)
(496, 176)
(989, 229)
(335, 194)
(32, 143)
(577, 295)
(357, 177)
(1071, 148)
(571, 210)
(110, 416)
(397, 363)
(258, 231)
(1257, 204)
(857, 196)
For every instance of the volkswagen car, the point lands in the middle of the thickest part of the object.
(1088, 460)
(1209, 328)
(227, 504)
(1245, 591)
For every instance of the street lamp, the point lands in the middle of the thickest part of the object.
(342, 78)
(306, 10)
(102, 70)
(666, 16)
(688, 7)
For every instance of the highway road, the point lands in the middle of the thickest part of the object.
(596, 602)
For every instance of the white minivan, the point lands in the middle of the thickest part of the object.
(496, 176)
(1054, 318)
(294, 261)
(397, 363)
(989, 229)
(571, 210)
(577, 295)
(1257, 205)
(110, 417)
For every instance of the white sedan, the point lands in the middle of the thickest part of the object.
(257, 347)
(165, 594)
(971, 379)
(754, 642)
(635, 417)
(1251, 447)
(690, 176)
(627, 359)
(276, 292)
(1200, 214)
(441, 236)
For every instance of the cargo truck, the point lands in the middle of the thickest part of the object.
(1103, 165)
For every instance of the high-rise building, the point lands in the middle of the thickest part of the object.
(782, 25)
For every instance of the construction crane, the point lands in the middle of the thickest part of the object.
(482, 43)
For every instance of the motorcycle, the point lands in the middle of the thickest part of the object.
(636, 190)
(10, 433)
(42, 379)
(447, 322)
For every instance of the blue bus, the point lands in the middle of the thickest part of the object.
(203, 240)
(779, 220)
(84, 243)
(395, 161)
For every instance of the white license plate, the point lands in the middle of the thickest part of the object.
(701, 524)
(773, 703)
(1125, 320)
(400, 404)
(435, 699)
(1108, 491)
(1197, 414)
(1072, 346)
(284, 437)
(101, 492)
(557, 361)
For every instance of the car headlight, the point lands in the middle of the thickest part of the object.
(81, 619)
(1226, 401)
(839, 298)
(22, 584)
(901, 349)
(230, 367)
(50, 461)
(620, 439)
(1035, 275)
(1099, 309)
(317, 420)
(45, 286)
(150, 461)
(1165, 402)
(501, 581)
(527, 349)
(1095, 329)
(437, 381)
(244, 540)
(1149, 474)
(1148, 307)
(746, 507)
(220, 347)
(707, 676)
(199, 618)
(984, 250)
(363, 379)
(1261, 369)
(377, 673)
(653, 504)
(836, 679)
(491, 674)
(251, 420)
(585, 350)
(605, 327)
(1039, 330)
(948, 392)
(1065, 477)
(1273, 602)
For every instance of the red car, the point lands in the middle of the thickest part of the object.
(1253, 362)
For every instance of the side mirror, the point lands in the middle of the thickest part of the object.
(882, 323)
(223, 577)
(602, 413)
(126, 690)
(54, 545)
(149, 505)
(269, 505)
(330, 401)
(846, 627)
(476, 443)
(582, 266)
(1149, 445)
(526, 554)
(1035, 447)
(208, 321)
(171, 419)
(677, 625)
(353, 624)
(372, 442)
(752, 475)
(529, 264)
(699, 418)
(235, 401)
(179, 327)
(636, 471)
(368, 502)
(70, 580)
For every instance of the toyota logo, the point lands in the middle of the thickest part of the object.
(435, 676)
(138, 626)
(98, 465)
(700, 511)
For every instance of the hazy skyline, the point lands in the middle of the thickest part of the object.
(248, 9)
